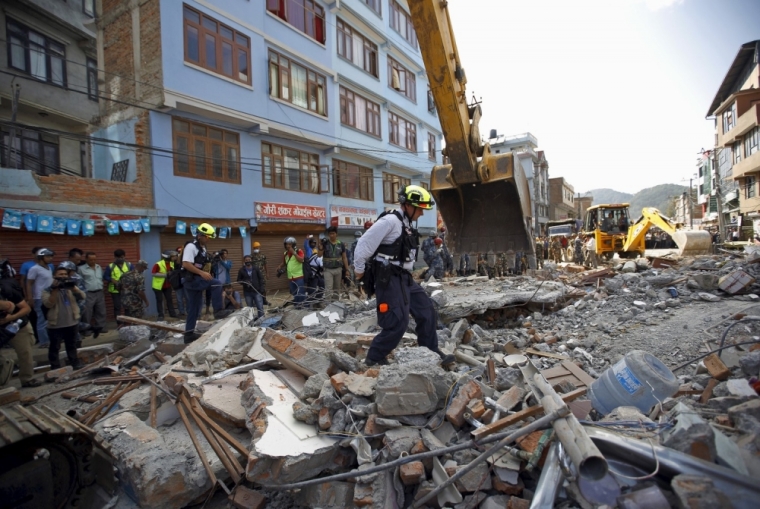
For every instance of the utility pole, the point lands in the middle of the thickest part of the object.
(718, 197)
(14, 111)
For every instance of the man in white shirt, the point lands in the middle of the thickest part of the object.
(38, 279)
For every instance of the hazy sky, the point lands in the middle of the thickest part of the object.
(616, 91)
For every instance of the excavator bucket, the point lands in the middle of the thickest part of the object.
(692, 242)
(489, 216)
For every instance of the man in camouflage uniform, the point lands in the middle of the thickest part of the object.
(556, 250)
(132, 291)
(259, 260)
(540, 253)
(438, 262)
(578, 250)
(482, 266)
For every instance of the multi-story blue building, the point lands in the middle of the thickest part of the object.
(282, 117)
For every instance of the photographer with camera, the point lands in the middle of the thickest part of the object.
(292, 264)
(230, 298)
(61, 302)
(196, 271)
(16, 331)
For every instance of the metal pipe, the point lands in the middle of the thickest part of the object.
(494, 405)
(237, 369)
(555, 415)
(541, 423)
(550, 480)
(587, 459)
(473, 421)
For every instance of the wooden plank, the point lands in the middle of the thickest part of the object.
(545, 354)
(567, 378)
(198, 447)
(9, 395)
(716, 368)
(581, 375)
(154, 325)
(555, 372)
(491, 369)
(707, 394)
(489, 429)
(153, 404)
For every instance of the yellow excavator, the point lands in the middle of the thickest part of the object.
(483, 197)
(689, 242)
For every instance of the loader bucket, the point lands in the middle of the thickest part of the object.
(692, 242)
(491, 216)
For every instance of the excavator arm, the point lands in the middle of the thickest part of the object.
(484, 198)
(689, 242)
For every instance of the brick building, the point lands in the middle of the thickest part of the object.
(57, 167)
(561, 200)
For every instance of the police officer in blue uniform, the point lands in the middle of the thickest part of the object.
(386, 253)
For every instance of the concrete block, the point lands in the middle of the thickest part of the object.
(518, 503)
(740, 387)
(400, 440)
(735, 282)
(695, 492)
(629, 267)
(691, 434)
(728, 454)
(344, 362)
(399, 392)
(221, 400)
(90, 354)
(477, 479)
(495, 502)
(412, 473)
(750, 363)
(338, 381)
(360, 385)
(134, 333)
(458, 406)
(445, 433)
(746, 416)
(246, 498)
(507, 487)
(313, 385)
(706, 282)
(329, 494)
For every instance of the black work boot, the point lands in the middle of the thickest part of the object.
(191, 336)
(446, 358)
(382, 362)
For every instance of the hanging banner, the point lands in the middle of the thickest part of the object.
(112, 227)
(351, 217)
(193, 229)
(126, 225)
(44, 224)
(30, 222)
(88, 228)
(12, 219)
(269, 212)
(223, 232)
(59, 226)
(243, 231)
(73, 226)
(180, 228)
(136, 226)
(145, 223)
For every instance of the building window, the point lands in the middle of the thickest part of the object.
(736, 148)
(749, 187)
(402, 132)
(304, 15)
(36, 54)
(359, 112)
(431, 146)
(729, 118)
(356, 48)
(392, 184)
(31, 150)
(374, 5)
(296, 84)
(92, 79)
(216, 47)
(430, 100)
(205, 152)
(402, 79)
(424, 185)
(286, 168)
(751, 141)
(353, 181)
(402, 23)
(88, 7)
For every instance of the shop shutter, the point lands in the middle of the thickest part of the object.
(17, 247)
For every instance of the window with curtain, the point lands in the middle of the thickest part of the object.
(35, 54)
(297, 84)
(287, 168)
(356, 48)
(359, 112)
(306, 16)
(352, 181)
(205, 152)
(402, 79)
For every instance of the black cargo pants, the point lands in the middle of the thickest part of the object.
(402, 296)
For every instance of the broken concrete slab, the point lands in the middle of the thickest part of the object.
(695, 492)
(399, 392)
(221, 400)
(691, 434)
(328, 494)
(305, 356)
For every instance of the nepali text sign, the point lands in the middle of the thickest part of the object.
(350, 217)
(269, 212)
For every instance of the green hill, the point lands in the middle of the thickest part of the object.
(660, 197)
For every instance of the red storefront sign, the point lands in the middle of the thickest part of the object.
(270, 212)
(351, 217)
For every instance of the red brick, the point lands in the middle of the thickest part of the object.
(297, 352)
(279, 342)
(509, 489)
(518, 503)
(325, 421)
(457, 408)
(412, 473)
(246, 498)
(338, 382)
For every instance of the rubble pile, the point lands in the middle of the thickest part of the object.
(293, 417)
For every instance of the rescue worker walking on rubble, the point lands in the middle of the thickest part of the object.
(292, 264)
(390, 247)
(196, 273)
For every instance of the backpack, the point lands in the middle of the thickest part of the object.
(174, 277)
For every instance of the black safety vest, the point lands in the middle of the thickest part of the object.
(401, 248)
(201, 258)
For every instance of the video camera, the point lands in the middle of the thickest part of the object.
(215, 257)
(65, 282)
(280, 272)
